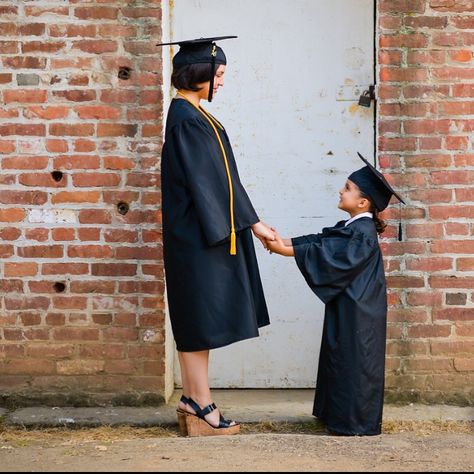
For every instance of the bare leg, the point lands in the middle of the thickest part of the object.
(185, 383)
(195, 374)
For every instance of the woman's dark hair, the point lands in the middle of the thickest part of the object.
(188, 77)
(380, 224)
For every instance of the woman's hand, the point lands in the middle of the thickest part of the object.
(263, 233)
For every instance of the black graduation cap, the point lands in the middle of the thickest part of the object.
(200, 51)
(373, 183)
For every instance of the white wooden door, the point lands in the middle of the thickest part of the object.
(290, 106)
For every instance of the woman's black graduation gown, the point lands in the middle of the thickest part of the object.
(344, 267)
(214, 298)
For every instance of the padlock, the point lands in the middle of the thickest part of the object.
(365, 99)
(367, 96)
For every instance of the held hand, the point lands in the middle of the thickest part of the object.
(263, 232)
(280, 247)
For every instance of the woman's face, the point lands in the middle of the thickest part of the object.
(218, 82)
(350, 199)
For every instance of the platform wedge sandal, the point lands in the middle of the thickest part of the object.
(182, 416)
(198, 426)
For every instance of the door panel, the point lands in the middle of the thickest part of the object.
(289, 105)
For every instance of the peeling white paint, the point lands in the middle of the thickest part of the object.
(149, 335)
(42, 216)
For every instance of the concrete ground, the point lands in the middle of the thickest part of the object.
(278, 435)
(246, 406)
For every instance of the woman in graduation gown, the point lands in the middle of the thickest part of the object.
(214, 291)
(343, 265)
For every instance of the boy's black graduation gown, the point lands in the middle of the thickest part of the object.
(344, 267)
(214, 298)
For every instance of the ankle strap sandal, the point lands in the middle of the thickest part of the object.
(197, 425)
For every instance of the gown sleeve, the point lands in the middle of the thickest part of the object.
(206, 178)
(331, 260)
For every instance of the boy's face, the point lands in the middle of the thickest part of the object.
(351, 201)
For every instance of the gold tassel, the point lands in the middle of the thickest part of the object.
(233, 243)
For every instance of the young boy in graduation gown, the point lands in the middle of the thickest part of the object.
(343, 266)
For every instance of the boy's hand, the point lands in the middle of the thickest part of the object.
(280, 246)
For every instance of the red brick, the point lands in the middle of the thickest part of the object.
(96, 13)
(455, 228)
(402, 6)
(6, 251)
(96, 286)
(98, 112)
(428, 161)
(76, 95)
(112, 269)
(453, 314)
(34, 198)
(120, 334)
(453, 246)
(25, 62)
(7, 146)
(429, 264)
(76, 130)
(52, 47)
(43, 180)
(88, 234)
(69, 302)
(37, 130)
(74, 162)
(424, 298)
(76, 197)
(25, 162)
(121, 235)
(40, 235)
(26, 302)
(444, 348)
(20, 269)
(41, 251)
(36, 11)
(96, 46)
(56, 146)
(84, 146)
(465, 264)
(76, 334)
(89, 251)
(139, 253)
(94, 217)
(453, 281)
(451, 212)
(96, 179)
(116, 130)
(405, 282)
(118, 163)
(12, 215)
(10, 233)
(65, 269)
(47, 113)
(432, 22)
(429, 331)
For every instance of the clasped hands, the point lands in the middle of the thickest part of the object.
(268, 236)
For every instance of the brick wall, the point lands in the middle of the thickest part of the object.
(81, 284)
(426, 120)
